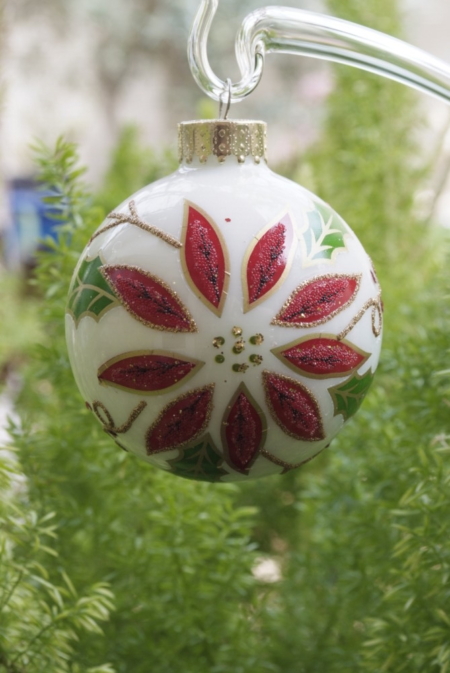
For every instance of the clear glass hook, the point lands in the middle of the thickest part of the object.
(295, 31)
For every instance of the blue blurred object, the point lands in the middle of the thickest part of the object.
(31, 220)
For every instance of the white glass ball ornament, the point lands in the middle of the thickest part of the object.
(224, 323)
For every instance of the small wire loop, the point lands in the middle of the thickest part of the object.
(227, 93)
(288, 30)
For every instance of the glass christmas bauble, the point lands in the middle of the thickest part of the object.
(224, 323)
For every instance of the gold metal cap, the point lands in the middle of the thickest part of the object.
(222, 138)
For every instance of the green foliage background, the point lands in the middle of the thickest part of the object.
(360, 535)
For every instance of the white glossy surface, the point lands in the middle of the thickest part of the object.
(250, 196)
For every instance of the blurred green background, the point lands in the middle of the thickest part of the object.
(110, 565)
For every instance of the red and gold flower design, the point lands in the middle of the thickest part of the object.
(183, 422)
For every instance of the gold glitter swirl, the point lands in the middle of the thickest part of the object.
(376, 317)
(287, 467)
(109, 425)
(133, 218)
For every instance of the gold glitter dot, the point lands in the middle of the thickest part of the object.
(236, 331)
(257, 339)
(241, 369)
(256, 359)
(241, 158)
(239, 346)
(217, 342)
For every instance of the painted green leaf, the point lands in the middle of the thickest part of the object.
(348, 396)
(200, 461)
(90, 294)
(324, 237)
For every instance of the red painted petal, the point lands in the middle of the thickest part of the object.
(317, 301)
(268, 260)
(204, 259)
(243, 430)
(321, 356)
(146, 371)
(293, 408)
(181, 421)
(149, 299)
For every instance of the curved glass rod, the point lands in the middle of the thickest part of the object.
(295, 31)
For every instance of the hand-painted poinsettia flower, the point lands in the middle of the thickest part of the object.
(288, 403)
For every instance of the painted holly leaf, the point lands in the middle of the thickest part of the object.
(318, 300)
(204, 259)
(321, 356)
(324, 237)
(243, 430)
(293, 407)
(181, 421)
(148, 371)
(90, 294)
(200, 461)
(348, 396)
(267, 261)
(148, 299)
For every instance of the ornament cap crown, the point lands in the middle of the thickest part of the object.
(222, 138)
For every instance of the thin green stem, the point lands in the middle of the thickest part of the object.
(38, 635)
(11, 591)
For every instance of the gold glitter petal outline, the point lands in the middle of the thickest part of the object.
(278, 352)
(242, 388)
(209, 387)
(162, 391)
(192, 324)
(265, 375)
(219, 309)
(282, 323)
(290, 258)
